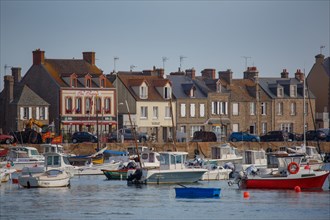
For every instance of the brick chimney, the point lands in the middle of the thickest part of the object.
(38, 57)
(226, 75)
(299, 75)
(284, 74)
(319, 58)
(89, 57)
(9, 88)
(191, 73)
(208, 73)
(16, 73)
(251, 73)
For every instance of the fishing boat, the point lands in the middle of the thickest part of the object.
(34, 178)
(197, 192)
(288, 175)
(172, 170)
(225, 153)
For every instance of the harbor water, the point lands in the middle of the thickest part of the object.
(94, 197)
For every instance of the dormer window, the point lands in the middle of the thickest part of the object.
(192, 92)
(293, 90)
(280, 92)
(88, 83)
(167, 92)
(73, 80)
(218, 87)
(102, 83)
(143, 92)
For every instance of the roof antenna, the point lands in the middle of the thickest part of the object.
(321, 47)
(181, 60)
(246, 57)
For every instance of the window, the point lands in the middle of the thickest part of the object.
(167, 92)
(107, 105)
(102, 83)
(201, 110)
(223, 108)
(293, 108)
(235, 127)
(42, 113)
(263, 108)
(215, 108)
(78, 105)
(88, 105)
(183, 110)
(88, 83)
(68, 105)
(252, 108)
(263, 127)
(195, 128)
(26, 112)
(192, 93)
(143, 92)
(167, 112)
(293, 90)
(286, 127)
(192, 110)
(144, 112)
(73, 82)
(280, 108)
(235, 108)
(280, 92)
(155, 112)
(98, 105)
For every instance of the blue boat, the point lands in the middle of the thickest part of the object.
(197, 192)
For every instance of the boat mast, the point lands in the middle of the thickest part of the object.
(134, 134)
(304, 107)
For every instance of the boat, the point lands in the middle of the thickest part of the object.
(149, 160)
(257, 158)
(23, 156)
(35, 178)
(197, 192)
(172, 169)
(311, 156)
(288, 175)
(5, 173)
(225, 153)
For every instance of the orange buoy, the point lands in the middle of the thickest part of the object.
(297, 189)
(8, 165)
(246, 194)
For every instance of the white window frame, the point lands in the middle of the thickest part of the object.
(263, 127)
(143, 92)
(202, 110)
(155, 112)
(280, 108)
(235, 127)
(263, 108)
(280, 92)
(167, 92)
(252, 108)
(144, 112)
(235, 108)
(192, 110)
(293, 90)
(183, 110)
(293, 108)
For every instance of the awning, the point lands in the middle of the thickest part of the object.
(218, 121)
(89, 122)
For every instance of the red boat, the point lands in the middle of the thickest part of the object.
(288, 175)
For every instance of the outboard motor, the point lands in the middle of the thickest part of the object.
(251, 170)
(135, 177)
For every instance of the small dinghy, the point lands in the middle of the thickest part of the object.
(197, 192)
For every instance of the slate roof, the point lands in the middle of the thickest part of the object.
(130, 80)
(24, 96)
(326, 66)
(181, 86)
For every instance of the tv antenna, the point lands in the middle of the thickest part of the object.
(164, 60)
(181, 60)
(321, 47)
(114, 63)
(131, 67)
(246, 58)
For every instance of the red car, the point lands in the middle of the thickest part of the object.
(6, 139)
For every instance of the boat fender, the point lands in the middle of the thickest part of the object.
(293, 168)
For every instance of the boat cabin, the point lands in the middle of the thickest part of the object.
(173, 160)
(52, 148)
(224, 151)
(255, 157)
(24, 154)
(132, 149)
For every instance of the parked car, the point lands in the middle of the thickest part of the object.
(314, 135)
(82, 136)
(295, 137)
(6, 139)
(243, 136)
(275, 136)
(204, 136)
(127, 135)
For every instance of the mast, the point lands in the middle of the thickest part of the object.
(173, 126)
(304, 107)
(134, 134)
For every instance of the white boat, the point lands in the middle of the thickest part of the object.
(172, 170)
(312, 156)
(23, 156)
(34, 177)
(257, 158)
(5, 174)
(225, 153)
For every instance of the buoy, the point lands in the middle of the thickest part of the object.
(297, 189)
(246, 194)
(8, 165)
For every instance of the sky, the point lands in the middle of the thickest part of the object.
(271, 35)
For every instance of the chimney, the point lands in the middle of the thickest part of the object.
(208, 73)
(89, 57)
(9, 88)
(226, 75)
(284, 74)
(160, 72)
(16, 73)
(38, 57)
(299, 75)
(191, 73)
(319, 58)
(251, 73)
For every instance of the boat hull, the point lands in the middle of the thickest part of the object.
(197, 192)
(115, 174)
(303, 181)
(173, 176)
(49, 179)
(218, 174)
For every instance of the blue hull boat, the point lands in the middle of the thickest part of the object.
(197, 192)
